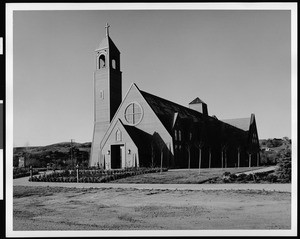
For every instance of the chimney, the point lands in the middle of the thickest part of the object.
(199, 106)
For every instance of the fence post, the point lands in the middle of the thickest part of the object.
(250, 160)
(77, 172)
(239, 151)
(31, 173)
(200, 157)
(161, 161)
(209, 162)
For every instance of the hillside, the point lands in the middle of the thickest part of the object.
(59, 154)
(274, 149)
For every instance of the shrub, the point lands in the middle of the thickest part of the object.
(284, 170)
(271, 178)
(249, 177)
(226, 180)
(94, 176)
(241, 177)
(66, 173)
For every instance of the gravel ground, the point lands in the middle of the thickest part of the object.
(67, 208)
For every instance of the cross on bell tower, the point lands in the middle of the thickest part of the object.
(107, 29)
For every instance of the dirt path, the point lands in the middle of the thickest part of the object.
(265, 169)
(64, 208)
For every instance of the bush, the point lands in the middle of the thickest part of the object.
(271, 178)
(284, 170)
(249, 177)
(226, 180)
(241, 177)
(95, 175)
(23, 172)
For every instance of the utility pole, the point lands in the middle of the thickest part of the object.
(71, 152)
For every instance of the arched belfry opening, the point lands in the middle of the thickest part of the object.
(102, 61)
(114, 64)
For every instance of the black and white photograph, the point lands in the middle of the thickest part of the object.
(151, 119)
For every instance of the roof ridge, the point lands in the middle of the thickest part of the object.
(237, 118)
(169, 101)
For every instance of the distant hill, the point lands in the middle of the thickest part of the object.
(274, 149)
(59, 154)
(275, 143)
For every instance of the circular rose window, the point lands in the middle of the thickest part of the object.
(133, 113)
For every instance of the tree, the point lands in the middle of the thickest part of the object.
(224, 148)
(161, 145)
(188, 145)
(200, 139)
(284, 169)
(200, 145)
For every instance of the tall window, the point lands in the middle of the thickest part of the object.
(114, 64)
(179, 135)
(175, 134)
(133, 113)
(118, 135)
(102, 61)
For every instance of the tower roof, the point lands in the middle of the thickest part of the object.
(107, 42)
(196, 101)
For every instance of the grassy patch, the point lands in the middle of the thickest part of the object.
(181, 176)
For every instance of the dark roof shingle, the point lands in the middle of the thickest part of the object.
(166, 109)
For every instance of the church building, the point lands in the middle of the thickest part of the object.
(144, 130)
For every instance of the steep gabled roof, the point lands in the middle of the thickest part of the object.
(241, 123)
(196, 101)
(107, 43)
(166, 109)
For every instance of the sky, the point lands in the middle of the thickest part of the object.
(237, 61)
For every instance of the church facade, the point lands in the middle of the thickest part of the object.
(144, 130)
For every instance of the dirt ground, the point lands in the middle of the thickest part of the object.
(60, 208)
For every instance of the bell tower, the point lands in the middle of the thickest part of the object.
(107, 92)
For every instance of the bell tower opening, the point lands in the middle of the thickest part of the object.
(114, 64)
(101, 61)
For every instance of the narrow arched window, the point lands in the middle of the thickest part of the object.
(114, 64)
(179, 135)
(118, 135)
(102, 61)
